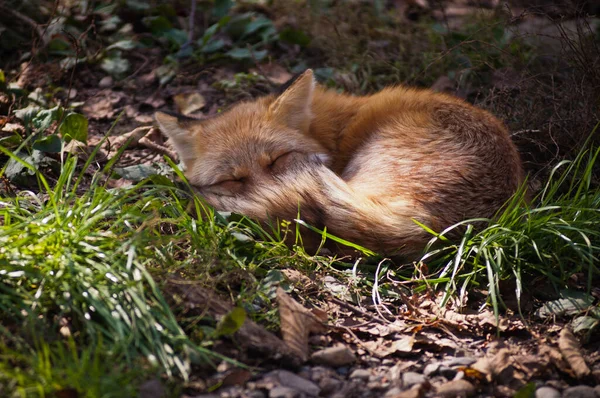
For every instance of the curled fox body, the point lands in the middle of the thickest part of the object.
(364, 167)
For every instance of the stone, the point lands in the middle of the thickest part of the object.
(409, 379)
(284, 392)
(288, 379)
(330, 385)
(579, 392)
(361, 374)
(105, 82)
(432, 369)
(336, 356)
(547, 392)
(456, 388)
(415, 392)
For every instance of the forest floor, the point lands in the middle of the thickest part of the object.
(258, 319)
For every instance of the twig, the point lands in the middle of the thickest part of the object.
(358, 311)
(191, 24)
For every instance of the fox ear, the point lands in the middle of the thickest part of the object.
(293, 107)
(179, 133)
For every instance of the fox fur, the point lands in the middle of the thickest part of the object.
(364, 167)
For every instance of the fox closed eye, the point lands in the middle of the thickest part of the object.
(228, 187)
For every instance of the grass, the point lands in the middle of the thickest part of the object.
(555, 235)
(78, 272)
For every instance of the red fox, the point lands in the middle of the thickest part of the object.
(364, 167)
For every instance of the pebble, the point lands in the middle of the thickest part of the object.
(361, 374)
(432, 369)
(336, 356)
(283, 392)
(409, 379)
(456, 388)
(294, 382)
(415, 392)
(330, 385)
(579, 392)
(105, 82)
(547, 392)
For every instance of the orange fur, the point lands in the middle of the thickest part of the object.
(364, 167)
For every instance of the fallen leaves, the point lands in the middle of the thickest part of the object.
(297, 323)
(569, 347)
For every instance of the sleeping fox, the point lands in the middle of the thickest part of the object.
(363, 167)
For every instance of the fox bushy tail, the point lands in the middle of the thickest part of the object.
(323, 199)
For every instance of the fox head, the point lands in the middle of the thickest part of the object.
(248, 145)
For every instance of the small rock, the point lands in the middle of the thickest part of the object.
(105, 82)
(579, 392)
(330, 385)
(432, 369)
(409, 379)
(415, 392)
(361, 374)
(392, 392)
(337, 356)
(456, 388)
(294, 382)
(284, 392)
(547, 392)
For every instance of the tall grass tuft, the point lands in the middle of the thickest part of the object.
(556, 234)
(75, 264)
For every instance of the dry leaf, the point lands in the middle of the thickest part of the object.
(382, 348)
(188, 103)
(103, 106)
(297, 323)
(569, 347)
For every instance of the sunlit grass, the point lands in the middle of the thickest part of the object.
(554, 235)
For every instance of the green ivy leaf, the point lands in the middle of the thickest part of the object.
(213, 45)
(28, 113)
(74, 127)
(50, 144)
(45, 117)
(231, 322)
(257, 24)
(115, 65)
(244, 54)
